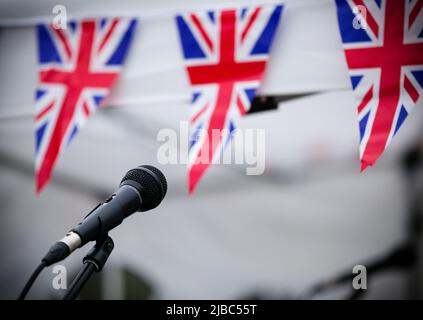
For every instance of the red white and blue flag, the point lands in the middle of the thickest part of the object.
(383, 44)
(77, 67)
(225, 53)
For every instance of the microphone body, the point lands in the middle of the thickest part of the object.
(142, 189)
(109, 215)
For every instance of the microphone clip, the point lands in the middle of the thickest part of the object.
(94, 261)
(101, 251)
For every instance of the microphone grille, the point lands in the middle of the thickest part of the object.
(150, 183)
(160, 176)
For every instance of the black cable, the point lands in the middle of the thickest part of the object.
(31, 280)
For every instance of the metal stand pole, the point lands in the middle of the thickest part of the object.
(93, 262)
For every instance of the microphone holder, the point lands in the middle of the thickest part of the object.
(94, 261)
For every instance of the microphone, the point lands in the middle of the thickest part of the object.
(141, 189)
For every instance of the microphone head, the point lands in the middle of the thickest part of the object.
(151, 184)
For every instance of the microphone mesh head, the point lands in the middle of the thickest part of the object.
(160, 176)
(150, 183)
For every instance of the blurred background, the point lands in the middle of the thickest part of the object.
(309, 218)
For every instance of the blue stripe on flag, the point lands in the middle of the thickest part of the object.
(122, 49)
(355, 80)
(211, 16)
(243, 12)
(190, 47)
(401, 117)
(194, 137)
(345, 20)
(72, 26)
(265, 40)
(363, 124)
(73, 134)
(97, 100)
(418, 74)
(250, 94)
(39, 133)
(231, 129)
(39, 93)
(47, 51)
(103, 22)
(195, 96)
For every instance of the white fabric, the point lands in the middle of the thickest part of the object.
(306, 54)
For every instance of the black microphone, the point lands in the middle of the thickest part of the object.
(141, 189)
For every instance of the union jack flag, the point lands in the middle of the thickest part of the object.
(225, 54)
(77, 67)
(383, 44)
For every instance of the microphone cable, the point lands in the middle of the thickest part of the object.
(31, 280)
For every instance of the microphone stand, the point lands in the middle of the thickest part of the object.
(94, 261)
